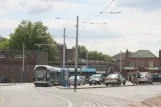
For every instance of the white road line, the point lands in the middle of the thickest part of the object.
(111, 101)
(70, 104)
(1, 99)
(86, 105)
(150, 104)
(133, 100)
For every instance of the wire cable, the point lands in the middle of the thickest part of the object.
(101, 11)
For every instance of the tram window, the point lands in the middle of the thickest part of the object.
(51, 74)
(47, 74)
(57, 75)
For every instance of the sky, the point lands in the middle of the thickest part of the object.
(137, 27)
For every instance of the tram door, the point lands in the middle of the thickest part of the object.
(57, 78)
(52, 78)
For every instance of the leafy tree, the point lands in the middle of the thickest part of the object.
(30, 33)
(82, 52)
(4, 43)
(92, 55)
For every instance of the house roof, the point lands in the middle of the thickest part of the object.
(123, 56)
(143, 54)
(117, 56)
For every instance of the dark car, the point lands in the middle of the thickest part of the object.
(3, 80)
(157, 77)
(96, 79)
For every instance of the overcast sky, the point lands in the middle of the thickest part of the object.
(138, 27)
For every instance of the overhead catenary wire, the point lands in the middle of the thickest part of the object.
(101, 11)
(87, 22)
(82, 22)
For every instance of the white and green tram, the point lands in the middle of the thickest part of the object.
(47, 75)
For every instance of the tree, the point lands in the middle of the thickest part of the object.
(82, 52)
(4, 43)
(92, 55)
(29, 33)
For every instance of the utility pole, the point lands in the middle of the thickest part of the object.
(23, 64)
(137, 61)
(63, 58)
(76, 55)
(120, 62)
(87, 59)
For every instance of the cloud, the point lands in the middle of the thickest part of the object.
(38, 9)
(133, 29)
(148, 5)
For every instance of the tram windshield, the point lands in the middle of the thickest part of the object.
(41, 72)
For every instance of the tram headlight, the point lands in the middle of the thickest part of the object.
(44, 79)
(36, 79)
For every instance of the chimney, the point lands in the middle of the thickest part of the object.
(127, 53)
(160, 54)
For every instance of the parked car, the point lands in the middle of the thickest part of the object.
(145, 77)
(115, 79)
(157, 77)
(96, 79)
(3, 80)
(80, 80)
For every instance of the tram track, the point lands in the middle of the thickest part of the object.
(96, 99)
(95, 103)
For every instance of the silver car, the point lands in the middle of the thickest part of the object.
(145, 77)
(114, 79)
(80, 80)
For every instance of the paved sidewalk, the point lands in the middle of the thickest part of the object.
(7, 84)
(87, 86)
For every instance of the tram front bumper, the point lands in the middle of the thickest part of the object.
(41, 82)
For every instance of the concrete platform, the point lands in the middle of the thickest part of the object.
(87, 86)
(7, 84)
(104, 86)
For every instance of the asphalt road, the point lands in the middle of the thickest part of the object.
(26, 95)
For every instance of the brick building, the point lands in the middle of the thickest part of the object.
(69, 53)
(11, 64)
(142, 60)
(119, 60)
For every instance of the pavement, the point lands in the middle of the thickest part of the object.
(7, 84)
(27, 95)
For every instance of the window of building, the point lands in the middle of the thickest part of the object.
(20, 56)
(132, 63)
(141, 63)
(150, 63)
(2, 56)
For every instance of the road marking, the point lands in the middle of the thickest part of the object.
(111, 102)
(86, 105)
(1, 99)
(104, 106)
(129, 99)
(70, 104)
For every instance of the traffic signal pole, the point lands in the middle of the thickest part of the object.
(76, 55)
(63, 79)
